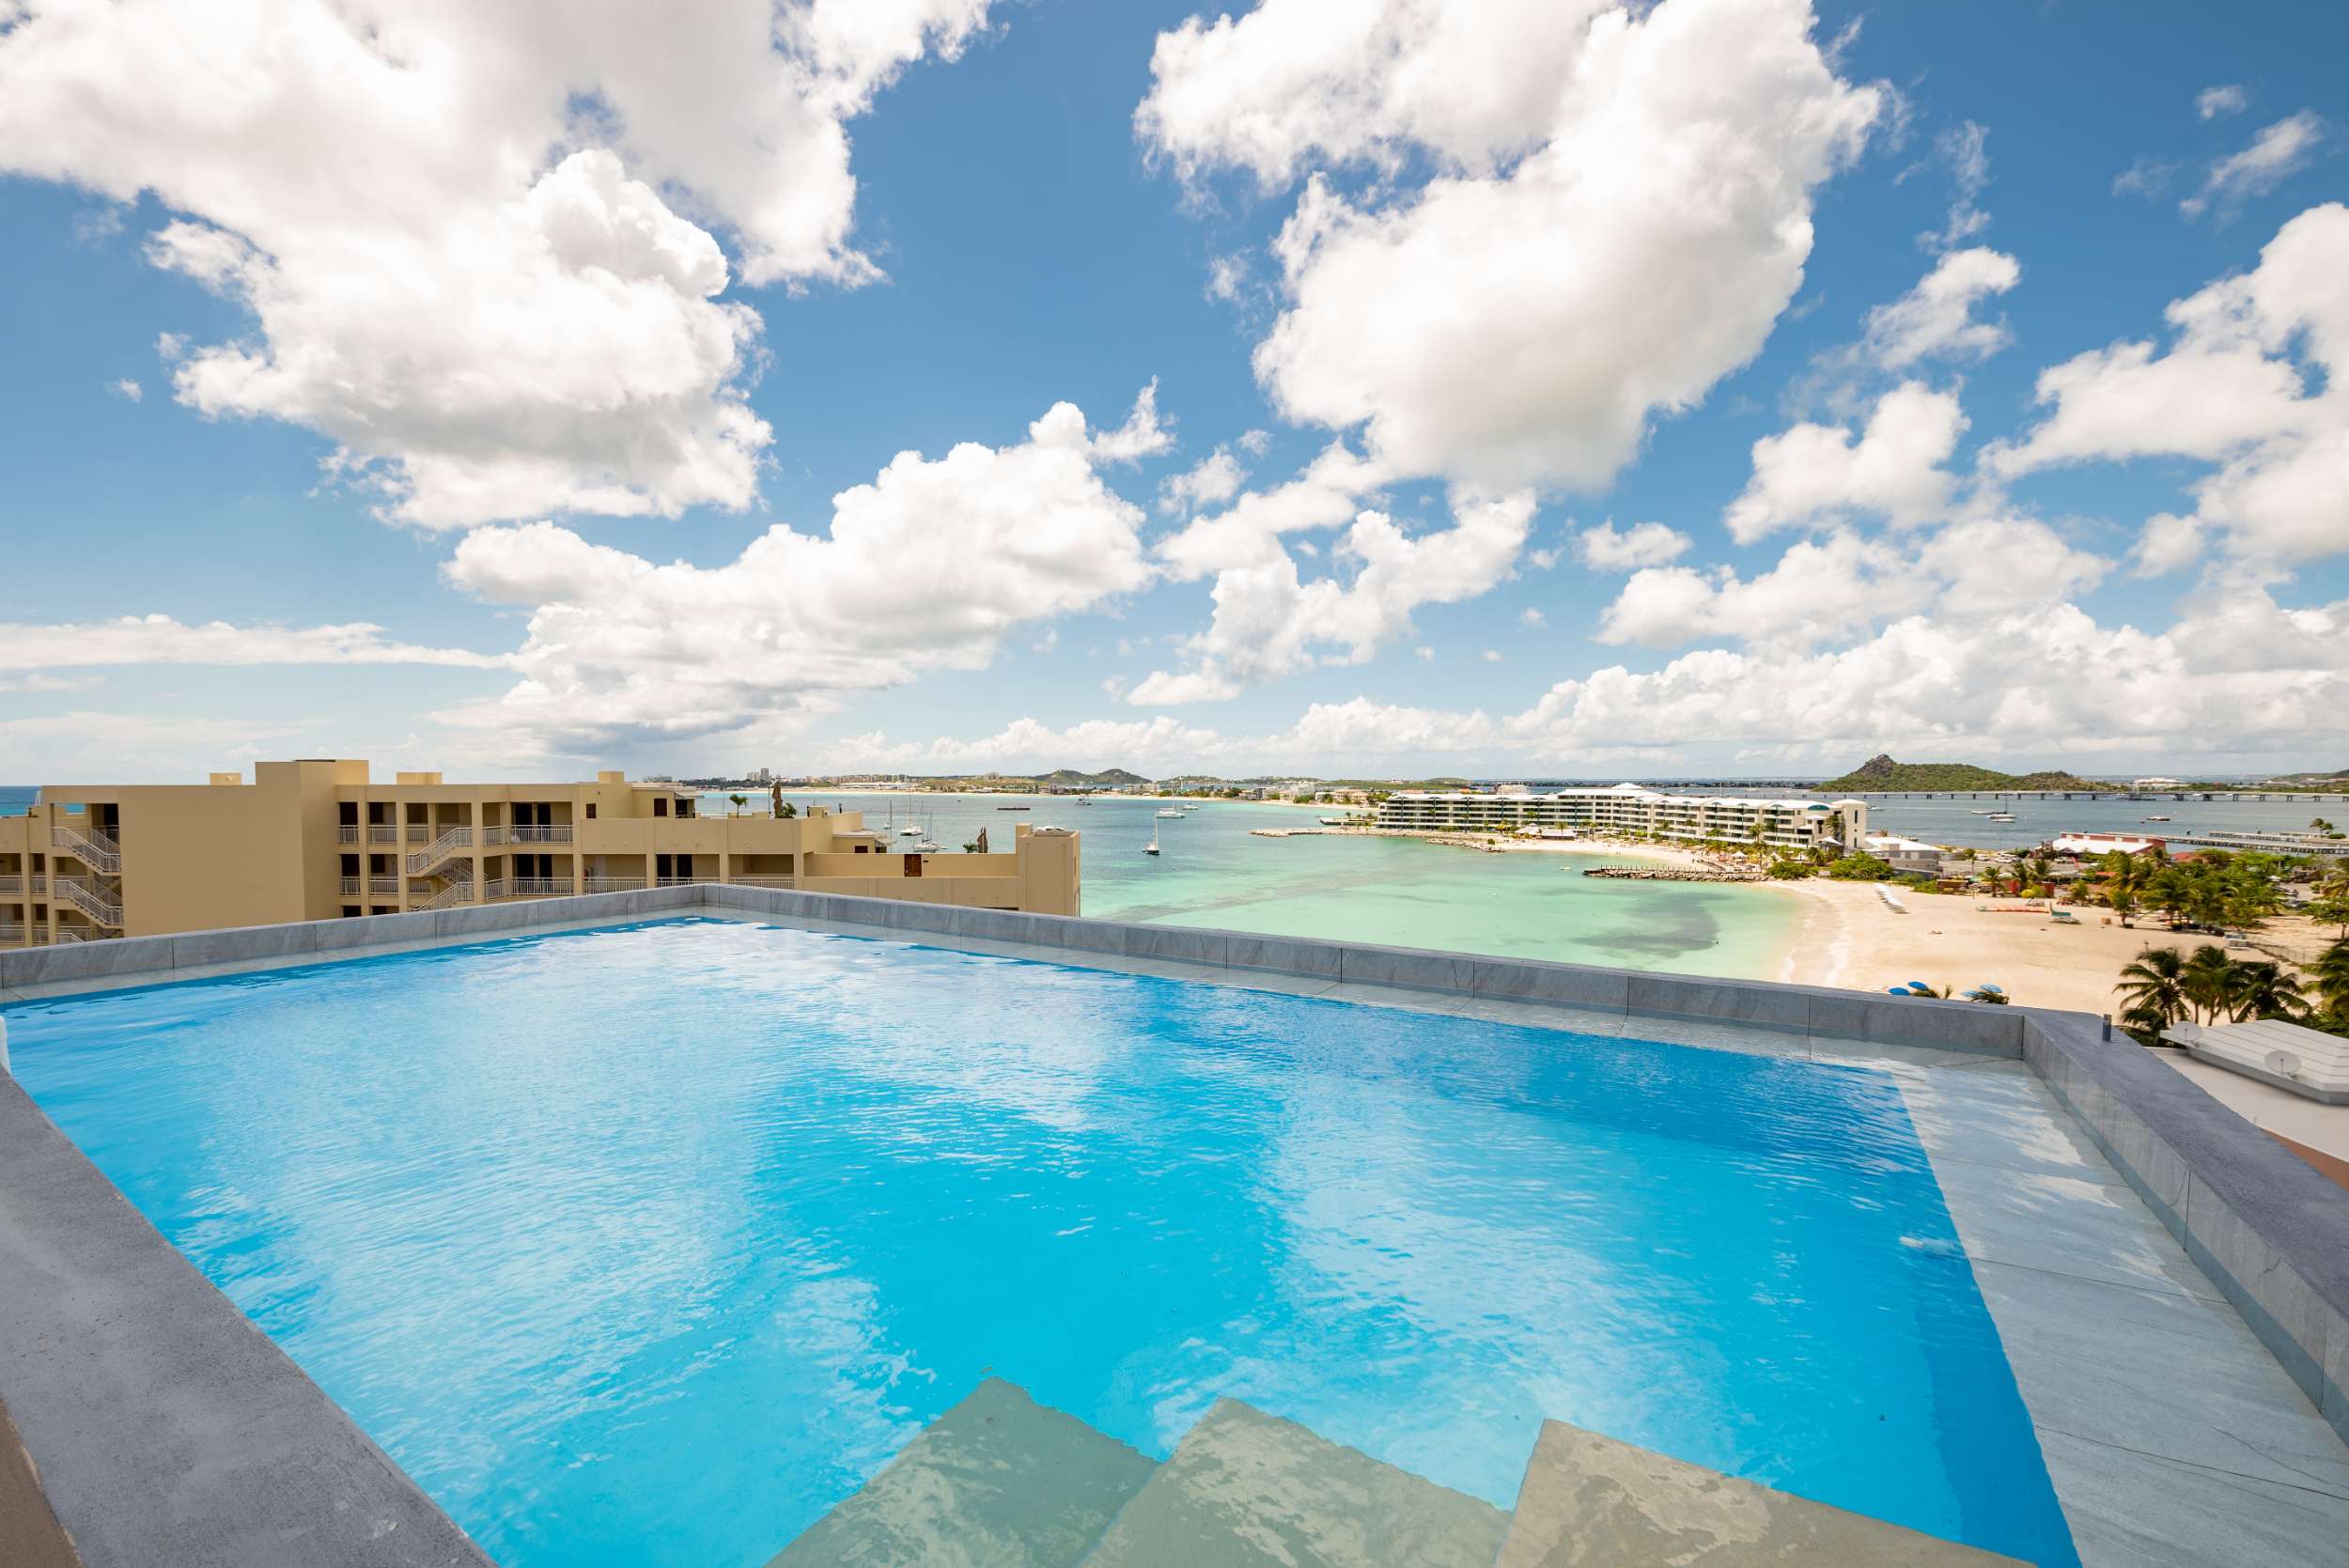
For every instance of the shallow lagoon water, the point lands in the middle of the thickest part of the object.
(1213, 872)
(649, 1245)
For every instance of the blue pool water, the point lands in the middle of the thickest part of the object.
(649, 1244)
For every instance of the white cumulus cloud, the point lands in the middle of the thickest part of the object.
(1895, 469)
(1645, 544)
(931, 565)
(1622, 211)
(479, 243)
(2229, 391)
(1935, 319)
(1270, 623)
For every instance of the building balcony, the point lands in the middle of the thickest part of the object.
(527, 887)
(610, 884)
(347, 833)
(539, 832)
(383, 887)
(383, 832)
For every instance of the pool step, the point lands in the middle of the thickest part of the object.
(997, 1481)
(1591, 1500)
(1247, 1490)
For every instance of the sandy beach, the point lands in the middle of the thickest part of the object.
(1850, 938)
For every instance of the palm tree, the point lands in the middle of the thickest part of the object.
(2330, 975)
(739, 801)
(2154, 988)
(2318, 825)
(2267, 991)
(2125, 877)
(2208, 981)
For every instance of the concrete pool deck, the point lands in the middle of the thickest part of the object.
(2169, 1284)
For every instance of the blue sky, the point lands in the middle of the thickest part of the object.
(2145, 570)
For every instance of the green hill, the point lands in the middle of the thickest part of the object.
(1880, 773)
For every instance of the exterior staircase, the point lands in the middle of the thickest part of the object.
(440, 849)
(1001, 1482)
(88, 894)
(456, 878)
(93, 849)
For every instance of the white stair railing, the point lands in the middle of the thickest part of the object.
(98, 850)
(439, 850)
(85, 894)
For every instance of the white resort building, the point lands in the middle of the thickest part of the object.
(1629, 809)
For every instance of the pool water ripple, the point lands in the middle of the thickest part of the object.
(649, 1245)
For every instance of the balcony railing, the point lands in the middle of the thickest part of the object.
(11, 934)
(494, 833)
(785, 882)
(351, 887)
(11, 885)
(682, 881)
(347, 833)
(535, 887)
(41, 935)
(383, 832)
(539, 832)
(610, 884)
(383, 887)
(419, 831)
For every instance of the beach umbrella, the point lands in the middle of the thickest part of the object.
(1919, 985)
(1899, 991)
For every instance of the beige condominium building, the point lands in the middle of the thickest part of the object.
(316, 838)
(1627, 809)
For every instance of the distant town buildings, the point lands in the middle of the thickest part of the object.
(1629, 810)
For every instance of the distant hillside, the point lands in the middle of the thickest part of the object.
(2342, 776)
(1880, 773)
(1112, 778)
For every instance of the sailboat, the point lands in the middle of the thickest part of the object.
(1152, 847)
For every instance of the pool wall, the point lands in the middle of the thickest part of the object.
(132, 1377)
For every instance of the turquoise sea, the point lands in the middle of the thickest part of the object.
(1211, 870)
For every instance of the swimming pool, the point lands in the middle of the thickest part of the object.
(652, 1244)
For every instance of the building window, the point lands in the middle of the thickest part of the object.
(591, 810)
(660, 805)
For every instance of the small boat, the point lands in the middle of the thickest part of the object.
(928, 843)
(910, 830)
(1151, 848)
(1172, 813)
(2001, 816)
(2153, 819)
(1015, 808)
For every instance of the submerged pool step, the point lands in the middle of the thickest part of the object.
(1247, 1490)
(1591, 1500)
(997, 1481)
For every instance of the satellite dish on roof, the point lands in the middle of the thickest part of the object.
(2284, 1063)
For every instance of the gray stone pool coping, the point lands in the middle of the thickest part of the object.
(132, 1377)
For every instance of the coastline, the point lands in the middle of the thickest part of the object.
(1849, 938)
